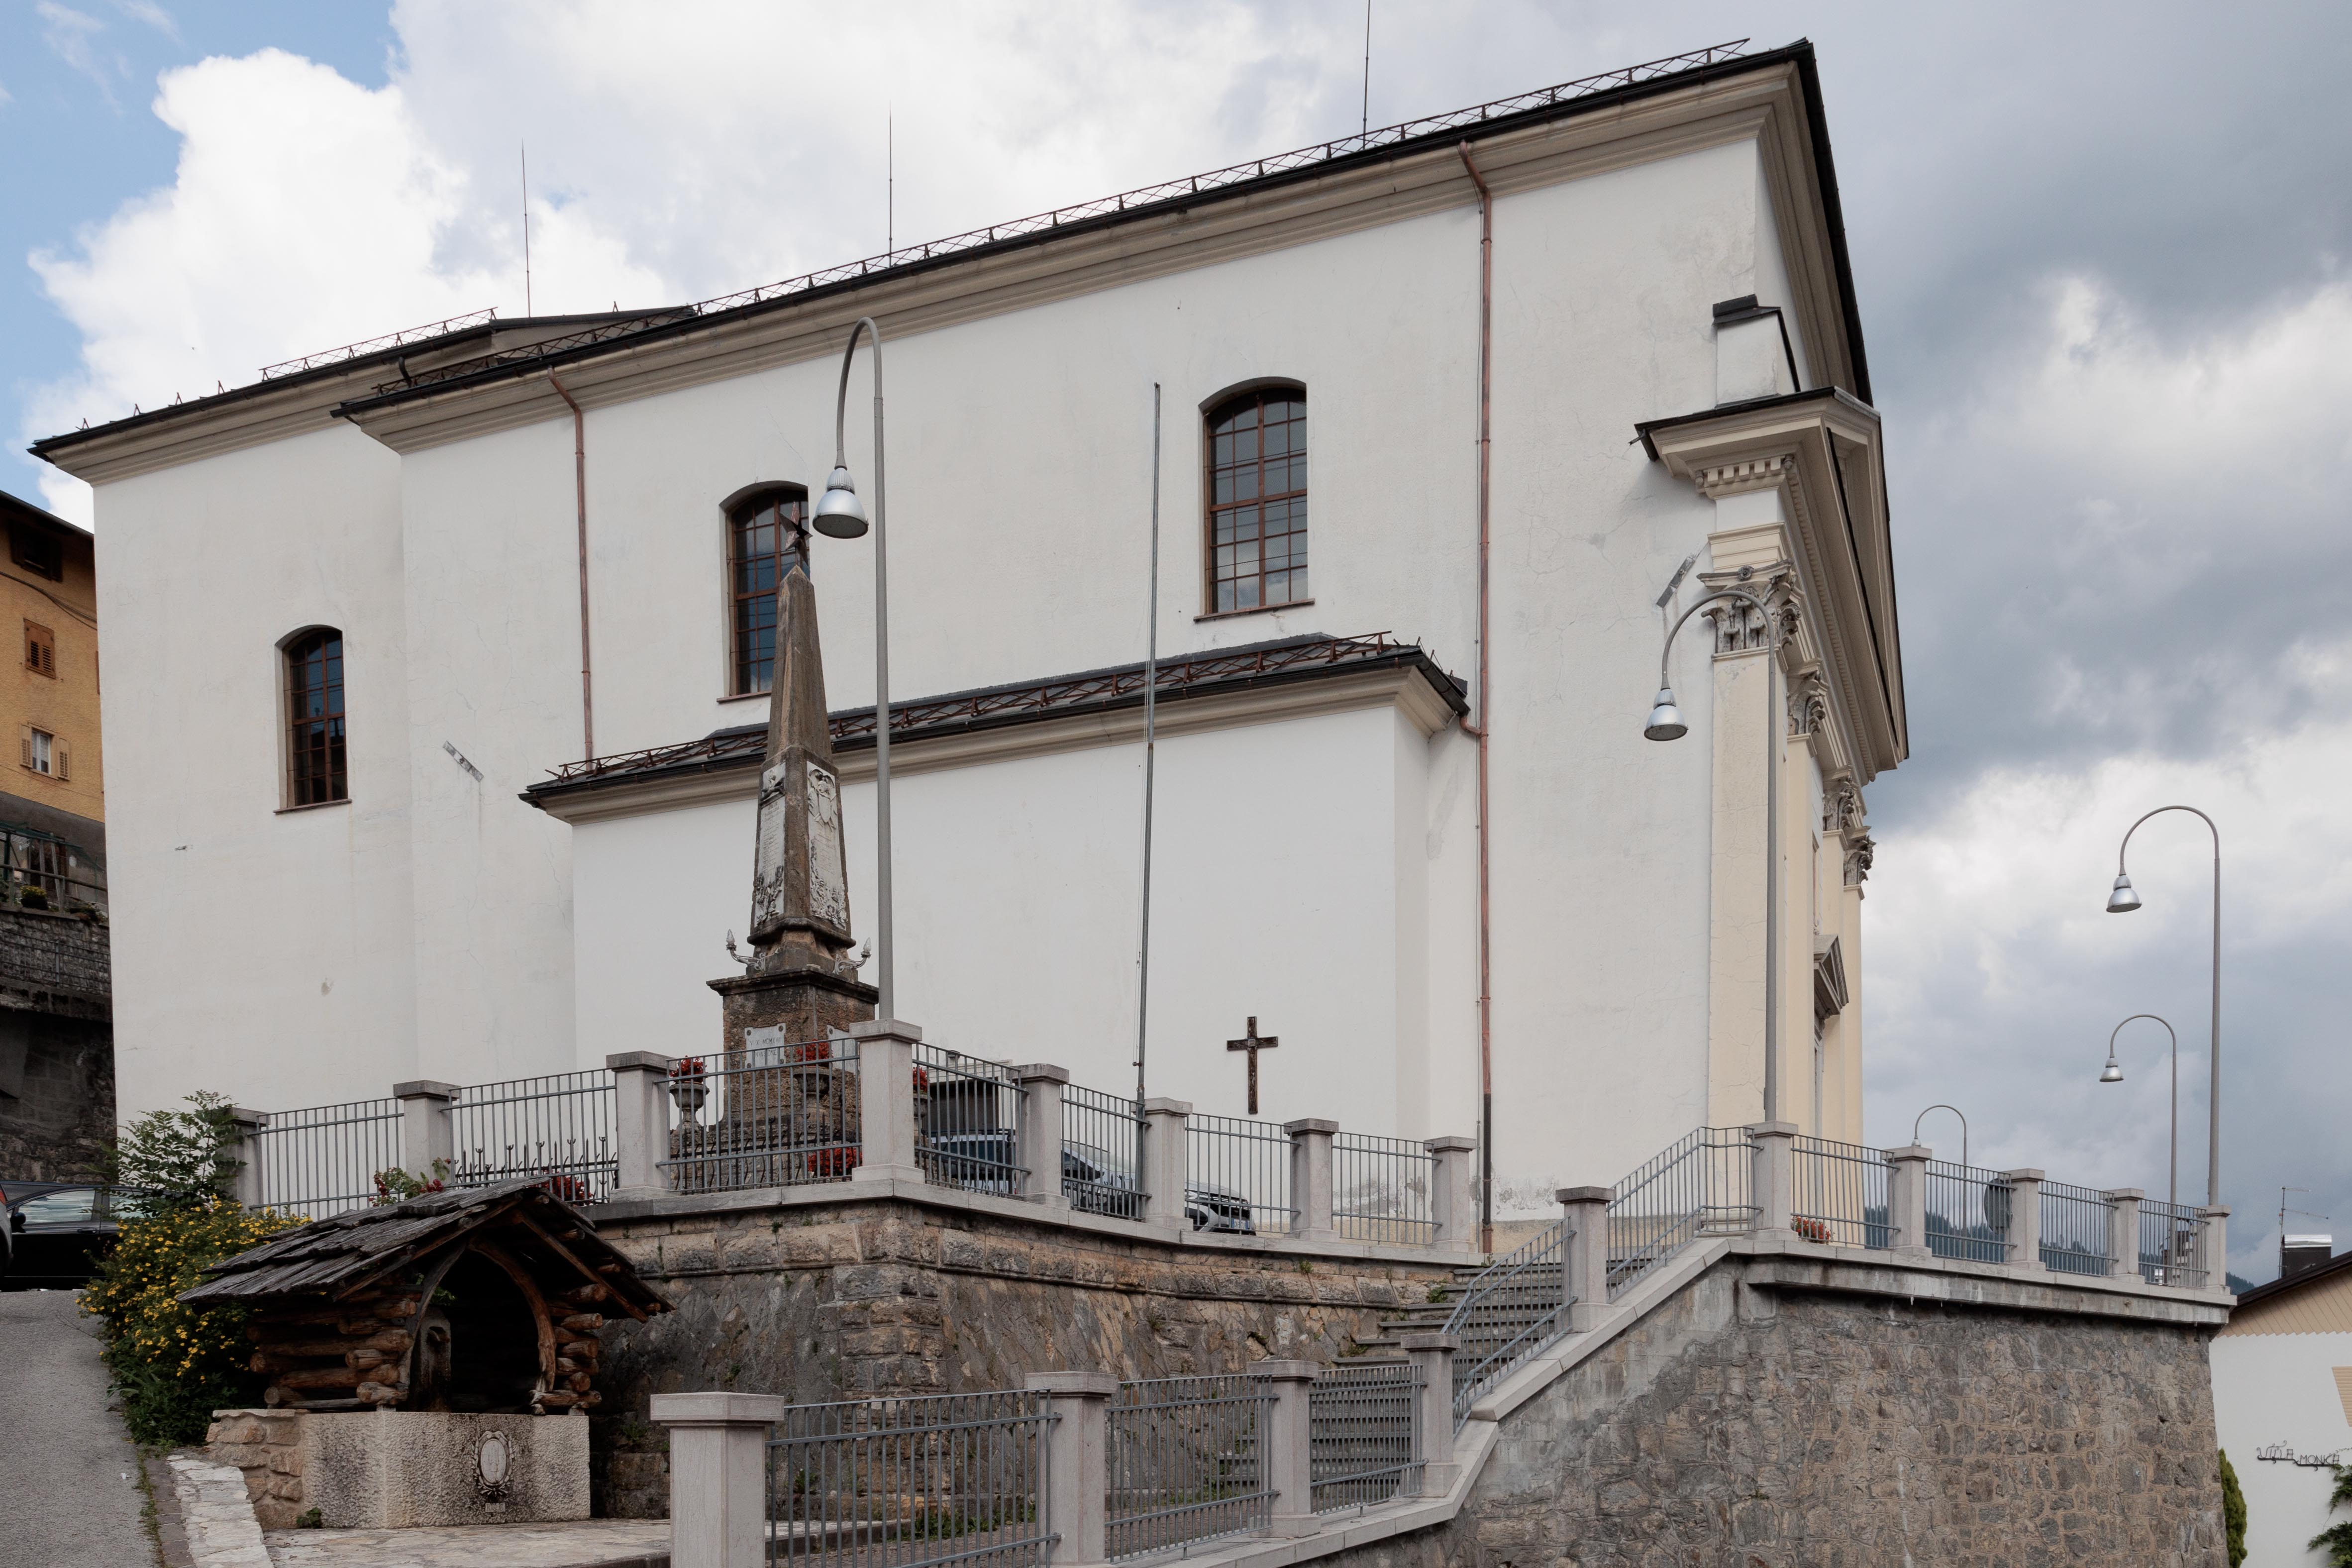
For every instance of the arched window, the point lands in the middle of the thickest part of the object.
(767, 536)
(1257, 499)
(317, 768)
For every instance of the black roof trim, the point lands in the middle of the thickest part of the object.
(19, 507)
(1644, 430)
(2317, 1271)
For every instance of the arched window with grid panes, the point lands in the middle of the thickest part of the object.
(1257, 499)
(767, 536)
(318, 767)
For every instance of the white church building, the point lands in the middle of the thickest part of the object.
(435, 668)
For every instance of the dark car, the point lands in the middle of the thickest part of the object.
(58, 1232)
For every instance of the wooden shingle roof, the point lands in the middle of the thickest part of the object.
(349, 1253)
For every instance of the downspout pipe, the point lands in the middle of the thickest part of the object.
(1479, 730)
(580, 498)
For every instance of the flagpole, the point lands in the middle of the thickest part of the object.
(1150, 701)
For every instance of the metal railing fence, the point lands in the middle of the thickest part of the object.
(1363, 1433)
(1383, 1189)
(558, 1127)
(2074, 1221)
(1699, 1187)
(2172, 1246)
(967, 1121)
(1968, 1212)
(1186, 1462)
(892, 1483)
(1237, 1175)
(1510, 1310)
(767, 1116)
(1102, 1146)
(41, 872)
(322, 1160)
(1838, 1194)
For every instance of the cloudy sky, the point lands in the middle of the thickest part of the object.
(2100, 252)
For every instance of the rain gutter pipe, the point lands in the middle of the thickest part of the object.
(1478, 731)
(580, 495)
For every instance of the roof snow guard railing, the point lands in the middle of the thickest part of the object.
(376, 345)
(1074, 691)
(1169, 192)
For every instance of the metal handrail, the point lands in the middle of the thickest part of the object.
(1512, 1310)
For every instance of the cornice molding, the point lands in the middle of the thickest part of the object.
(1405, 688)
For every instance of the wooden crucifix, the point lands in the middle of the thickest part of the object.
(1253, 1044)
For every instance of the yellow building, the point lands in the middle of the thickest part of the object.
(53, 802)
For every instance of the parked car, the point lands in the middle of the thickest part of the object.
(58, 1232)
(1095, 1180)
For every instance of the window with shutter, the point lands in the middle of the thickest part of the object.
(37, 550)
(40, 751)
(40, 650)
(61, 759)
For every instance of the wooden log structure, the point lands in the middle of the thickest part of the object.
(382, 1307)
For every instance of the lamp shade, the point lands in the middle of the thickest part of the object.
(1665, 719)
(2113, 1073)
(2123, 901)
(840, 515)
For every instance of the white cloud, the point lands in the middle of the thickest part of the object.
(72, 36)
(154, 16)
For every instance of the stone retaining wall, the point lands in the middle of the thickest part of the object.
(1755, 1421)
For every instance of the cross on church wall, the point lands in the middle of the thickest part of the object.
(1253, 1043)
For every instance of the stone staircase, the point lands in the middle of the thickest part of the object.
(1498, 1323)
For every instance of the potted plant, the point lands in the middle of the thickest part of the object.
(688, 1087)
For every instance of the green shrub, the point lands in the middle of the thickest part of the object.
(2233, 1511)
(172, 1365)
(2337, 1537)
(188, 1154)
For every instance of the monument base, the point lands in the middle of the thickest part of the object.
(393, 1470)
(807, 1003)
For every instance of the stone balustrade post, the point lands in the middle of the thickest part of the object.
(247, 1186)
(2123, 1230)
(1310, 1178)
(1907, 1199)
(427, 1132)
(718, 1476)
(1040, 1152)
(1167, 1162)
(886, 1099)
(1433, 1356)
(1455, 1202)
(1077, 1463)
(640, 1123)
(2215, 1246)
(1775, 1178)
(1584, 1255)
(1289, 1464)
(2024, 1232)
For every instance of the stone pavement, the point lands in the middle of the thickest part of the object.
(213, 1515)
(591, 1543)
(68, 1471)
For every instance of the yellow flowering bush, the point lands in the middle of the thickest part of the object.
(174, 1364)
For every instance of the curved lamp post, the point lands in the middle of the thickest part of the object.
(2123, 901)
(2114, 1073)
(840, 515)
(1955, 1110)
(1666, 725)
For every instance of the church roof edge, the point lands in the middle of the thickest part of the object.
(1278, 661)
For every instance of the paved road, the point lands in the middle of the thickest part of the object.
(68, 1477)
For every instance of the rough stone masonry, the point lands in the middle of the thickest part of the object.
(1778, 1426)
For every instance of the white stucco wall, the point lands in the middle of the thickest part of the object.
(1319, 873)
(2273, 1389)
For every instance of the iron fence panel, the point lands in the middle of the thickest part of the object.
(1383, 1189)
(1102, 1145)
(894, 1483)
(1840, 1193)
(1510, 1310)
(2172, 1246)
(1237, 1176)
(322, 1160)
(1363, 1433)
(1698, 1188)
(1968, 1212)
(2074, 1230)
(558, 1127)
(773, 1114)
(967, 1122)
(1186, 1462)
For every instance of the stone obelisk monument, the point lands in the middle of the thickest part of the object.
(800, 976)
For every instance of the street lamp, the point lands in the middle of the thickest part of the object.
(1666, 724)
(2114, 1073)
(2123, 901)
(1964, 1127)
(840, 515)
